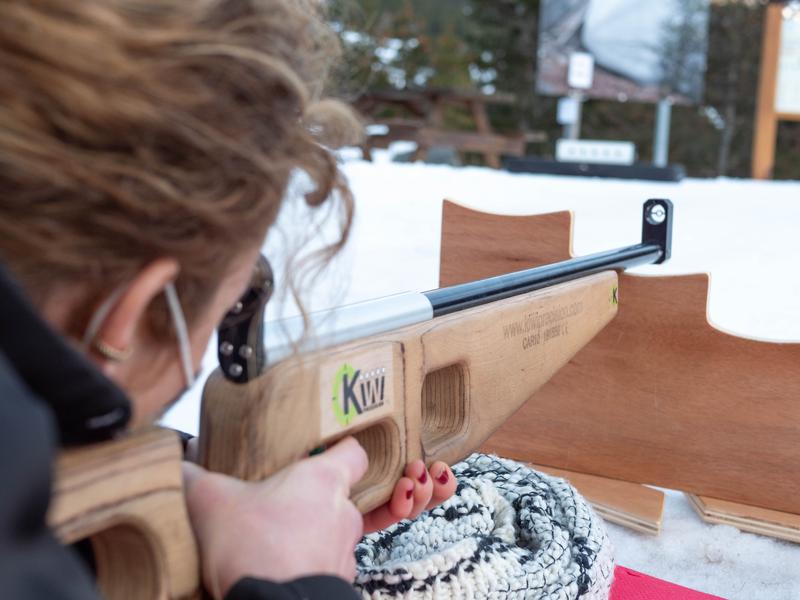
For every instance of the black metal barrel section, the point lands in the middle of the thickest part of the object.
(655, 248)
(467, 295)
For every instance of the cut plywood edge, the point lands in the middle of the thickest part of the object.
(606, 407)
(772, 523)
(624, 503)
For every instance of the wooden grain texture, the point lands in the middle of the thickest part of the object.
(628, 504)
(528, 243)
(765, 134)
(446, 385)
(772, 523)
(660, 396)
(127, 497)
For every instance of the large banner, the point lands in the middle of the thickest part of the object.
(644, 50)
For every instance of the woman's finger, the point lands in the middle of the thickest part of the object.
(191, 472)
(444, 484)
(423, 486)
(346, 458)
(396, 509)
(192, 452)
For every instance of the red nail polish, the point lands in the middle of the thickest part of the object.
(444, 477)
(409, 493)
(423, 479)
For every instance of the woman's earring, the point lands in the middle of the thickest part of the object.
(110, 352)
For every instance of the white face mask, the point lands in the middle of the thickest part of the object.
(182, 332)
(178, 320)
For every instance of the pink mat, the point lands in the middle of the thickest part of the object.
(632, 585)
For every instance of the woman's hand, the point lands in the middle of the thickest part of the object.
(419, 490)
(298, 522)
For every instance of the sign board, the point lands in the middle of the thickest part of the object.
(601, 152)
(787, 95)
(641, 50)
(568, 111)
(581, 70)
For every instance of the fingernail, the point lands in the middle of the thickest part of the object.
(423, 479)
(444, 477)
(409, 493)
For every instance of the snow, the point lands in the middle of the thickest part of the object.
(745, 233)
(716, 559)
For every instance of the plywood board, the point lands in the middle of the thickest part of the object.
(772, 523)
(631, 505)
(660, 396)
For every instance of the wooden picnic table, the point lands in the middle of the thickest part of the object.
(424, 123)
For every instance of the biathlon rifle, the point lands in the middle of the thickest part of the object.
(413, 376)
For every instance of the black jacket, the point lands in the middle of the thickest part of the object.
(51, 396)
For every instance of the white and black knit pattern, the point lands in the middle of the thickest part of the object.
(508, 532)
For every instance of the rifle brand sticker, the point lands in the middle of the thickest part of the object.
(356, 389)
(539, 327)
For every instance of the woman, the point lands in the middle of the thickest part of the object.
(145, 148)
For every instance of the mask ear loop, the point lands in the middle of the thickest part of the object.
(181, 331)
(99, 316)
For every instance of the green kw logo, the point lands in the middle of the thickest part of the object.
(355, 392)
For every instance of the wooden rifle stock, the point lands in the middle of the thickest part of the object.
(126, 496)
(434, 390)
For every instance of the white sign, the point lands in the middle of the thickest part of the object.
(568, 110)
(787, 96)
(580, 74)
(596, 152)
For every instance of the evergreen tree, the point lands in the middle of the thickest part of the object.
(492, 45)
(503, 35)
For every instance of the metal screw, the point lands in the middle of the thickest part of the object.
(235, 370)
(656, 214)
(245, 352)
(237, 308)
(226, 348)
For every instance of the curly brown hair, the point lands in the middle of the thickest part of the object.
(135, 129)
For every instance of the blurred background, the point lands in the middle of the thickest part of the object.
(419, 62)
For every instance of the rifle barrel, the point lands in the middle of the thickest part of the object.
(242, 336)
(354, 321)
(475, 293)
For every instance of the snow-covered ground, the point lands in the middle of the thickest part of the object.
(744, 233)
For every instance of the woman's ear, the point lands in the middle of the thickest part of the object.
(119, 330)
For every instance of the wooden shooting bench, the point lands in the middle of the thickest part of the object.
(659, 397)
(424, 123)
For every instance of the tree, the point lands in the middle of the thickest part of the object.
(732, 81)
(492, 45)
(402, 44)
(683, 48)
(503, 35)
